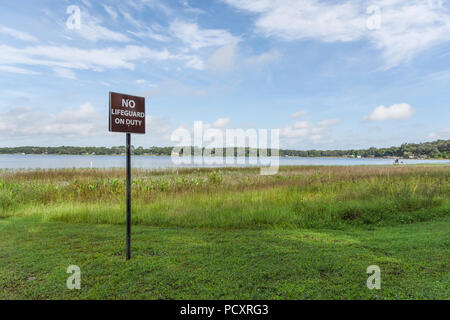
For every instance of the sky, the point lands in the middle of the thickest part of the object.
(328, 74)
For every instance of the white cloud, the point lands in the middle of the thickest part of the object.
(17, 34)
(154, 4)
(195, 62)
(305, 130)
(132, 20)
(87, 3)
(159, 128)
(76, 58)
(17, 70)
(329, 122)
(110, 10)
(175, 88)
(223, 59)
(91, 30)
(154, 32)
(407, 27)
(396, 111)
(299, 114)
(265, 57)
(63, 58)
(302, 125)
(145, 82)
(190, 9)
(83, 125)
(197, 38)
(294, 20)
(149, 33)
(443, 134)
(65, 73)
(85, 113)
(221, 122)
(27, 122)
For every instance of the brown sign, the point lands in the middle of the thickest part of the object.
(126, 113)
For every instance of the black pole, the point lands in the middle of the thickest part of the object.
(128, 196)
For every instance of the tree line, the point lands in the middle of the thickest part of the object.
(429, 150)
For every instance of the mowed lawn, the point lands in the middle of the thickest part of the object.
(307, 233)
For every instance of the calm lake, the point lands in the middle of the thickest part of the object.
(156, 162)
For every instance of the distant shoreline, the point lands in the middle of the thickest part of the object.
(439, 149)
(154, 155)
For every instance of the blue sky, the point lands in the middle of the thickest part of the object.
(328, 74)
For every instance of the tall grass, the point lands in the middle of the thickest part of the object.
(232, 198)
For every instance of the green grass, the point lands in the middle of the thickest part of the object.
(306, 233)
(181, 263)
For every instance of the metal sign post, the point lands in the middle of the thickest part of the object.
(127, 115)
(128, 196)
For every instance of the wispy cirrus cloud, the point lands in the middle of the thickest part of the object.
(17, 34)
(197, 38)
(407, 27)
(152, 4)
(64, 57)
(295, 20)
(18, 70)
(146, 32)
(65, 73)
(85, 59)
(111, 11)
(92, 30)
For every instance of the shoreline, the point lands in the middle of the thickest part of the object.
(283, 157)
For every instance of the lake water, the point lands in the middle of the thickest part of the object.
(156, 162)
